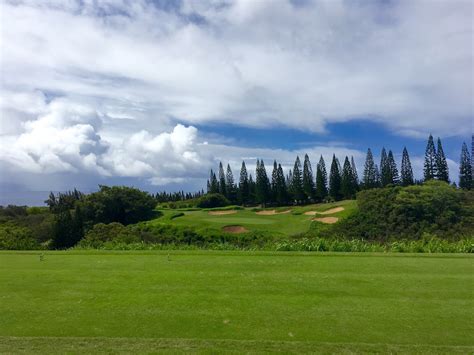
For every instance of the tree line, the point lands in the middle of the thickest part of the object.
(300, 185)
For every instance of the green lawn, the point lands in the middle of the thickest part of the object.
(278, 225)
(235, 301)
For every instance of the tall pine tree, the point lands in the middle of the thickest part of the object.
(354, 171)
(406, 170)
(442, 171)
(244, 189)
(213, 183)
(262, 184)
(308, 179)
(335, 179)
(281, 190)
(348, 184)
(321, 180)
(392, 165)
(465, 169)
(222, 188)
(369, 179)
(297, 182)
(231, 190)
(274, 180)
(385, 174)
(430, 171)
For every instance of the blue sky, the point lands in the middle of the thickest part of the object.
(155, 93)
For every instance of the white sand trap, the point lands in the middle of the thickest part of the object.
(331, 211)
(235, 229)
(220, 213)
(271, 212)
(328, 220)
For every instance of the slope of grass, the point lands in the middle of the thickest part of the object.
(285, 224)
(219, 301)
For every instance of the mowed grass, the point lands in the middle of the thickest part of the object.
(284, 224)
(235, 302)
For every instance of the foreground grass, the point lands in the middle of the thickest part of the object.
(231, 301)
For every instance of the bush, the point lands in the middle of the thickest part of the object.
(17, 238)
(125, 205)
(435, 208)
(102, 233)
(212, 200)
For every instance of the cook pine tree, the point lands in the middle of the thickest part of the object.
(429, 168)
(348, 183)
(406, 169)
(297, 182)
(244, 192)
(369, 178)
(308, 179)
(465, 169)
(321, 180)
(335, 179)
(442, 171)
(222, 188)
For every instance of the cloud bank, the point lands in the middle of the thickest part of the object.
(115, 88)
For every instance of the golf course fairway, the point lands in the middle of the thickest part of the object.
(210, 301)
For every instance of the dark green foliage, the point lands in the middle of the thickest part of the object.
(392, 166)
(244, 188)
(370, 177)
(430, 171)
(435, 208)
(308, 180)
(335, 180)
(263, 188)
(212, 184)
(442, 171)
(274, 180)
(231, 189)
(120, 204)
(67, 229)
(101, 233)
(406, 171)
(63, 201)
(17, 238)
(212, 200)
(385, 176)
(13, 211)
(348, 183)
(321, 181)
(252, 190)
(297, 182)
(465, 169)
(354, 171)
(222, 187)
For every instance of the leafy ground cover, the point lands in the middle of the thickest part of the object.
(95, 301)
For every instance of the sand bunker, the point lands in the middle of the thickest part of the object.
(328, 220)
(234, 229)
(331, 211)
(220, 213)
(271, 212)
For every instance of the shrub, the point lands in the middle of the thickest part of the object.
(102, 233)
(212, 200)
(17, 238)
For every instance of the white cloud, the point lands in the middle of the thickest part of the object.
(406, 64)
(98, 87)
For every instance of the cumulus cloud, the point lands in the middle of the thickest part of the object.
(115, 88)
(405, 64)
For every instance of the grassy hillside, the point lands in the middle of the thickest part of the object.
(216, 301)
(286, 222)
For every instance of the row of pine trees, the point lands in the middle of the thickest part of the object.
(301, 185)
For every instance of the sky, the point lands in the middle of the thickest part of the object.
(153, 94)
